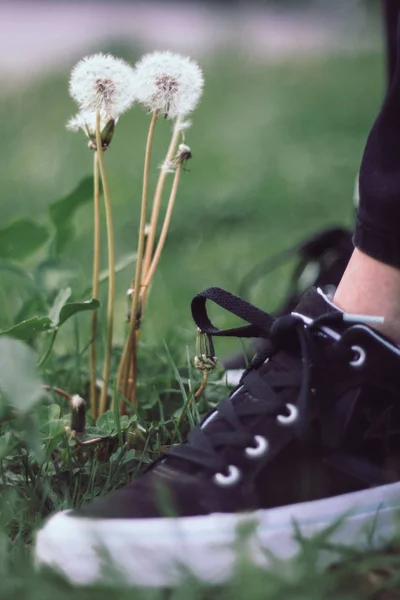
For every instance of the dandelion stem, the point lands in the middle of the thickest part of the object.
(95, 285)
(194, 396)
(164, 231)
(150, 274)
(157, 203)
(202, 386)
(111, 267)
(130, 346)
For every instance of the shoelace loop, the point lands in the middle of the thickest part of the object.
(203, 445)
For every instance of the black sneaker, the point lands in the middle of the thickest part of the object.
(312, 434)
(321, 262)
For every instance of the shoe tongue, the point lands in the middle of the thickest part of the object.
(314, 303)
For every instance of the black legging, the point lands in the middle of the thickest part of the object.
(391, 11)
(377, 231)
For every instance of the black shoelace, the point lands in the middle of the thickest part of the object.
(204, 444)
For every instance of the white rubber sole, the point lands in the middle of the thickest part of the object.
(160, 552)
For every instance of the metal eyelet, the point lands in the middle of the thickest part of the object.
(291, 417)
(227, 480)
(260, 447)
(360, 356)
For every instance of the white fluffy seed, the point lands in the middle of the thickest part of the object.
(169, 83)
(86, 121)
(77, 401)
(103, 82)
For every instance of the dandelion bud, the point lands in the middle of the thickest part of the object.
(107, 133)
(204, 363)
(168, 83)
(103, 83)
(86, 121)
(129, 313)
(205, 359)
(78, 418)
(184, 154)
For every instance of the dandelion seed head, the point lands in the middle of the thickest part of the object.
(169, 83)
(103, 82)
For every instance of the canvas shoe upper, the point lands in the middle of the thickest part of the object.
(312, 430)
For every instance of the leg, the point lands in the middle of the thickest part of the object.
(391, 9)
(371, 287)
(371, 283)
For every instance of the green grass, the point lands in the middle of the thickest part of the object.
(275, 153)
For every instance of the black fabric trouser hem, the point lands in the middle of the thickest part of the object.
(382, 245)
(377, 230)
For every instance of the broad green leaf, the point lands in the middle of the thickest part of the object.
(33, 305)
(52, 430)
(122, 456)
(54, 411)
(50, 423)
(8, 266)
(51, 426)
(47, 413)
(107, 423)
(92, 433)
(27, 430)
(54, 274)
(125, 422)
(20, 383)
(22, 238)
(7, 442)
(72, 308)
(26, 329)
(20, 284)
(59, 302)
(62, 212)
(64, 313)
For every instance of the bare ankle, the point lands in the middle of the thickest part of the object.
(372, 288)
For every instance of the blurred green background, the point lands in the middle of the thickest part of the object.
(276, 142)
